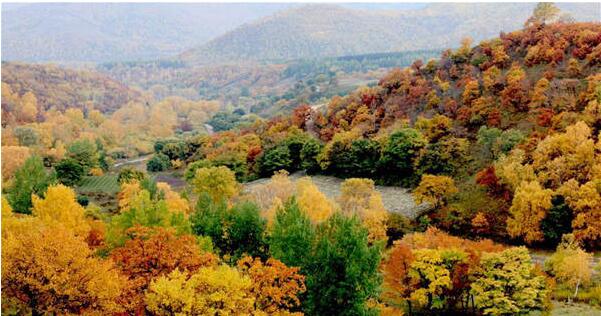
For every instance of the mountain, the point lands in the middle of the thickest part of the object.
(93, 32)
(319, 30)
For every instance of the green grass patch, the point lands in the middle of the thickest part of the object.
(104, 184)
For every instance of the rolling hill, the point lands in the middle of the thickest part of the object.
(100, 32)
(319, 30)
(61, 88)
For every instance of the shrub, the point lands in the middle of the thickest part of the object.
(158, 162)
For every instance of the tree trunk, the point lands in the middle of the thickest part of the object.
(576, 292)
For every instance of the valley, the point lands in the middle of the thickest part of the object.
(301, 159)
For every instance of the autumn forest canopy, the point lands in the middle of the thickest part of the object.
(420, 181)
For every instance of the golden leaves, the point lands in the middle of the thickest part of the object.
(59, 207)
(529, 207)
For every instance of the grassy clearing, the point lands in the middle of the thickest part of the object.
(103, 184)
(565, 309)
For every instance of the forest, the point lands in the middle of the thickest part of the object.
(119, 201)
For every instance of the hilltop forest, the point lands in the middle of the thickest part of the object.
(126, 189)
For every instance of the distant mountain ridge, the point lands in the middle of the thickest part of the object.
(102, 32)
(324, 30)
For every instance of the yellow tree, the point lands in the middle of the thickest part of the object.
(435, 190)
(50, 270)
(471, 92)
(512, 170)
(8, 217)
(57, 152)
(13, 158)
(507, 283)
(175, 203)
(314, 203)
(431, 270)
(491, 77)
(434, 128)
(218, 182)
(570, 264)
(544, 12)
(275, 191)
(59, 207)
(528, 208)
(218, 290)
(359, 197)
(538, 97)
(28, 109)
(585, 201)
(129, 190)
(564, 156)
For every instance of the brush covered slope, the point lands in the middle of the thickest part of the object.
(510, 117)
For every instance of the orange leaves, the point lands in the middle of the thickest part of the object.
(470, 92)
(432, 265)
(396, 277)
(275, 285)
(514, 97)
(585, 200)
(154, 252)
(13, 158)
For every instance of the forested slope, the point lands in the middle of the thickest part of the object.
(319, 30)
(61, 88)
(512, 116)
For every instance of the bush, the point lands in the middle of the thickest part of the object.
(83, 200)
(85, 153)
(129, 174)
(236, 232)
(397, 226)
(190, 172)
(69, 172)
(275, 159)
(158, 162)
(31, 178)
(308, 155)
(400, 154)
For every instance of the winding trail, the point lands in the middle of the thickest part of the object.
(131, 161)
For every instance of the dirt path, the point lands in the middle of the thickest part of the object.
(396, 199)
(131, 161)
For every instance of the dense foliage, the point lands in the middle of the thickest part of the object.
(499, 140)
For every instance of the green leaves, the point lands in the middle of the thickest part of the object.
(340, 265)
(31, 178)
(235, 232)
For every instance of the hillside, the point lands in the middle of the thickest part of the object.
(534, 90)
(261, 88)
(62, 88)
(458, 181)
(100, 32)
(331, 30)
